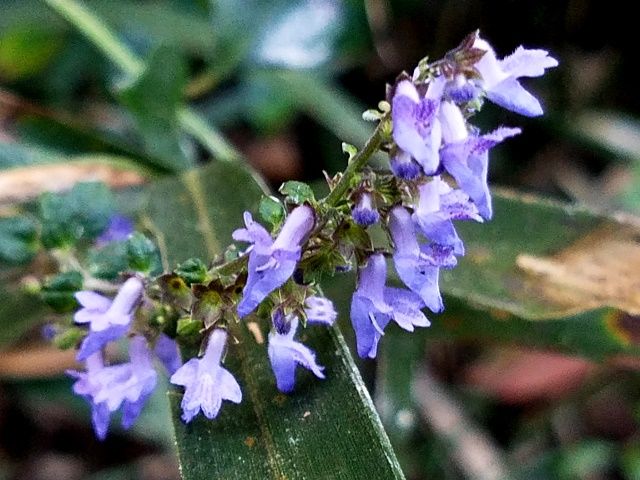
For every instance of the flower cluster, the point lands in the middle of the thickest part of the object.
(438, 175)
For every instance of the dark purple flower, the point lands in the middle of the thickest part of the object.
(206, 383)
(167, 351)
(119, 228)
(374, 305)
(271, 263)
(468, 162)
(418, 264)
(108, 319)
(416, 129)
(320, 310)
(500, 77)
(404, 167)
(364, 212)
(285, 354)
(438, 205)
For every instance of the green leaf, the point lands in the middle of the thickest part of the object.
(325, 429)
(153, 98)
(18, 237)
(58, 292)
(82, 213)
(193, 270)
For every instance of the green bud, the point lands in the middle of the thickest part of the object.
(58, 292)
(271, 211)
(297, 192)
(70, 338)
(142, 254)
(188, 327)
(192, 270)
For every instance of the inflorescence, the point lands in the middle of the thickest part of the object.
(438, 173)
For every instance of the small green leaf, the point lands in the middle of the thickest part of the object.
(142, 254)
(69, 338)
(297, 192)
(188, 327)
(58, 291)
(192, 270)
(18, 240)
(271, 211)
(82, 213)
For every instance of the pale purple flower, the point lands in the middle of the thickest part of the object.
(119, 228)
(500, 77)
(127, 385)
(320, 310)
(285, 354)
(468, 162)
(206, 383)
(86, 386)
(418, 264)
(271, 263)
(438, 205)
(364, 213)
(108, 319)
(416, 129)
(167, 351)
(374, 305)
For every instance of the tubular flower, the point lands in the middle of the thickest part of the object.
(416, 129)
(374, 305)
(438, 205)
(206, 383)
(418, 265)
(108, 319)
(364, 212)
(500, 77)
(271, 263)
(285, 354)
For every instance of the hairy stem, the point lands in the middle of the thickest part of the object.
(358, 161)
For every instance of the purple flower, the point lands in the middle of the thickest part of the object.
(416, 129)
(374, 305)
(167, 351)
(500, 77)
(285, 354)
(108, 319)
(127, 385)
(364, 213)
(468, 162)
(438, 205)
(320, 310)
(119, 228)
(271, 263)
(86, 386)
(418, 264)
(404, 167)
(206, 384)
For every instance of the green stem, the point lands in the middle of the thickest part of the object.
(358, 161)
(101, 36)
